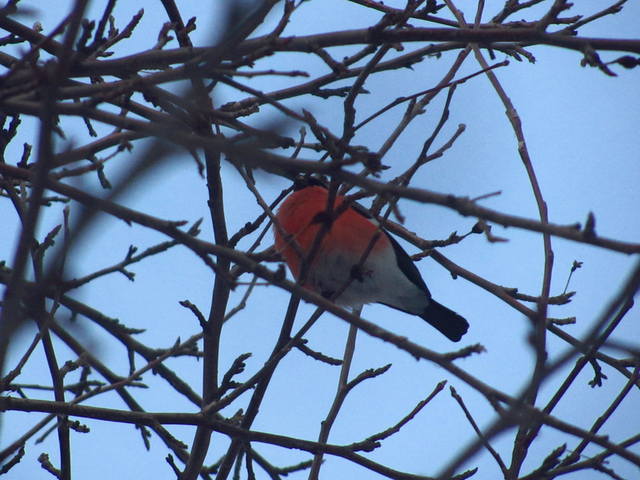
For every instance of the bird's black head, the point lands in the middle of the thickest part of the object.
(304, 181)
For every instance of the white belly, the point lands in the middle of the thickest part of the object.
(379, 280)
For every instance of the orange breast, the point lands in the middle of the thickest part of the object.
(350, 233)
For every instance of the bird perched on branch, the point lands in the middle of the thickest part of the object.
(343, 254)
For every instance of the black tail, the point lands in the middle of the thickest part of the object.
(448, 322)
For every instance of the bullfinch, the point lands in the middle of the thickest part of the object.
(355, 262)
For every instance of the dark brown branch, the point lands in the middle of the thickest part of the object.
(474, 425)
(227, 428)
(275, 163)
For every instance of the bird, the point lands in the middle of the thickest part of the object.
(355, 261)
